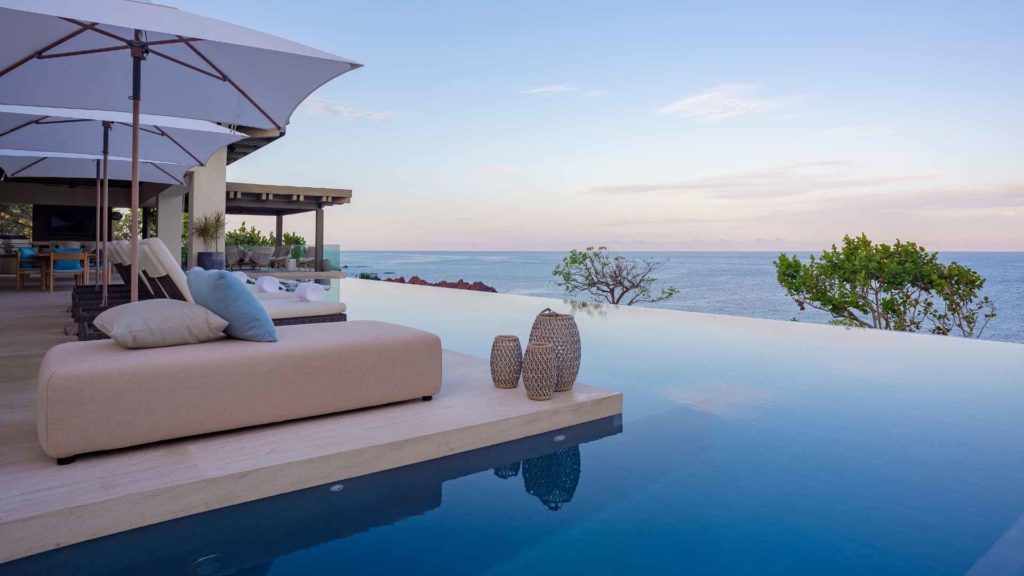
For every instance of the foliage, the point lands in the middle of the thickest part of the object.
(292, 239)
(208, 228)
(250, 236)
(612, 278)
(120, 224)
(243, 236)
(16, 219)
(369, 276)
(899, 287)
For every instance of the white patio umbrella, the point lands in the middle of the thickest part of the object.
(27, 164)
(162, 138)
(73, 54)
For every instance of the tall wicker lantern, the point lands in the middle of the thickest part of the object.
(563, 334)
(553, 478)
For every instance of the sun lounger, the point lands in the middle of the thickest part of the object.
(99, 396)
(283, 311)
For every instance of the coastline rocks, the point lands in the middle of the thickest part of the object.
(460, 285)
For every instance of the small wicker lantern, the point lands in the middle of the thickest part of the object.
(507, 471)
(506, 361)
(561, 331)
(539, 372)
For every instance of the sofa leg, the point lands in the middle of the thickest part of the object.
(428, 398)
(66, 460)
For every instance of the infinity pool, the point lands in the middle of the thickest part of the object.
(746, 447)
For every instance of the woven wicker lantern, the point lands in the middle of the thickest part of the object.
(563, 334)
(553, 478)
(507, 471)
(506, 361)
(539, 371)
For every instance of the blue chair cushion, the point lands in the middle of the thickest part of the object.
(27, 255)
(67, 265)
(228, 297)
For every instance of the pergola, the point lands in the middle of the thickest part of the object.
(281, 201)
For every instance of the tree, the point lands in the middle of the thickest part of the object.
(120, 224)
(611, 278)
(250, 236)
(899, 287)
(292, 239)
(16, 219)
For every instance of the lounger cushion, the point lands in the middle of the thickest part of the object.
(160, 322)
(96, 395)
(281, 308)
(228, 297)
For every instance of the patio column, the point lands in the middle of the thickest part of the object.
(147, 215)
(280, 229)
(319, 239)
(169, 216)
(207, 195)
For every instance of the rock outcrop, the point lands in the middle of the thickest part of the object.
(460, 285)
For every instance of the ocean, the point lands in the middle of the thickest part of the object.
(733, 283)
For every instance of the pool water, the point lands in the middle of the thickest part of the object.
(746, 446)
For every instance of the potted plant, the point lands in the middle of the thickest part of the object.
(209, 228)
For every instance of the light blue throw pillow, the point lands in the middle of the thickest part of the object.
(228, 297)
(67, 265)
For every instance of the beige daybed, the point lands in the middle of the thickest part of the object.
(99, 396)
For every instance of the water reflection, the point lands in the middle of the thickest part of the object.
(247, 538)
(553, 478)
(508, 470)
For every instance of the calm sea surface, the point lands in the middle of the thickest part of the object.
(734, 283)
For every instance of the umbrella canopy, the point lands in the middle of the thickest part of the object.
(91, 55)
(23, 164)
(74, 54)
(162, 138)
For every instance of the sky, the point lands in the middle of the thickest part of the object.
(655, 126)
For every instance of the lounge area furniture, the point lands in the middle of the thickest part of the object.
(162, 277)
(28, 264)
(68, 262)
(97, 395)
(280, 257)
(260, 256)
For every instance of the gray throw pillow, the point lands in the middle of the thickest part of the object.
(160, 322)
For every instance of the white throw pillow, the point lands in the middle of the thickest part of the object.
(160, 322)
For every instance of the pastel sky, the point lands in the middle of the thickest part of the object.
(656, 126)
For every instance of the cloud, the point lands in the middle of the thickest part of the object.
(781, 181)
(723, 101)
(321, 107)
(861, 131)
(552, 89)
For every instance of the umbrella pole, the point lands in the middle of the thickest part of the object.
(106, 211)
(138, 53)
(99, 211)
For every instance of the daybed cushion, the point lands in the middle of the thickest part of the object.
(226, 296)
(281, 308)
(97, 395)
(160, 322)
